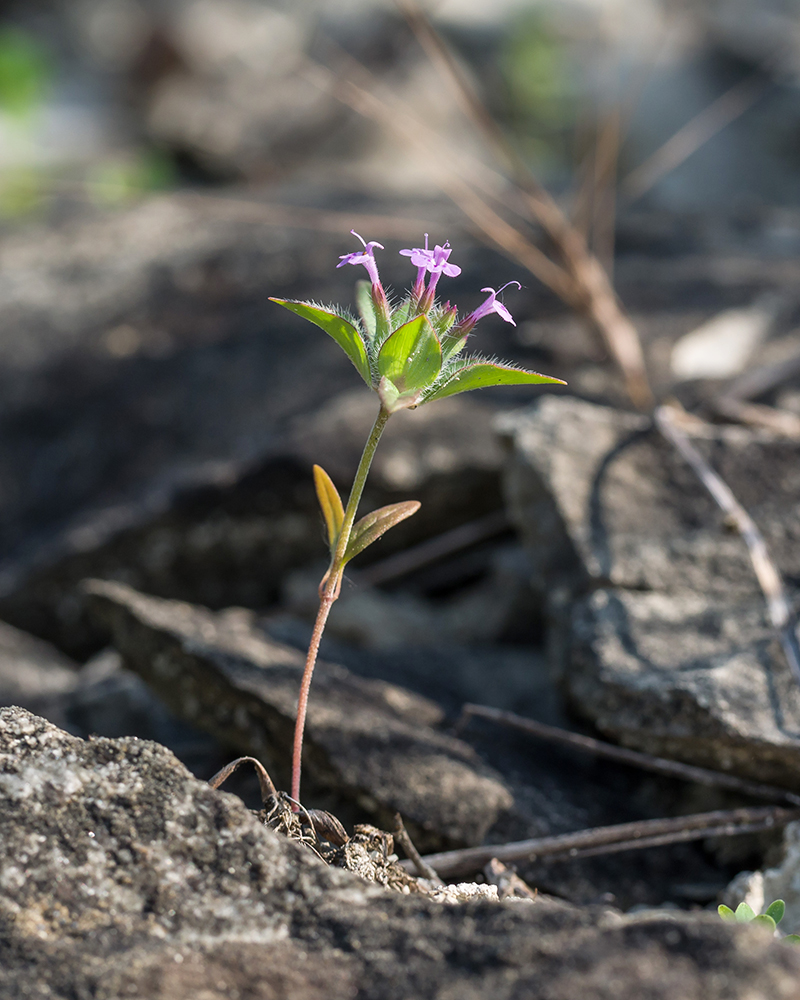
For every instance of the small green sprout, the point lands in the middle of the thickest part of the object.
(409, 352)
(770, 918)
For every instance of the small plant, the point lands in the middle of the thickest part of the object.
(409, 352)
(770, 918)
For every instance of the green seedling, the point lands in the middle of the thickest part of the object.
(410, 352)
(770, 918)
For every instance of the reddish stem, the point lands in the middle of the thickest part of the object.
(327, 597)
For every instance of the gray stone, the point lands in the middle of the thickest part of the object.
(365, 739)
(657, 623)
(758, 889)
(34, 674)
(121, 875)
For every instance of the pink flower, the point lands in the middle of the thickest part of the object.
(493, 305)
(365, 257)
(436, 263)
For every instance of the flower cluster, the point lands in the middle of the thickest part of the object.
(411, 352)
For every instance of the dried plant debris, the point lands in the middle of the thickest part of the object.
(369, 853)
(367, 741)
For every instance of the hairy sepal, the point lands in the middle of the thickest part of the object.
(330, 504)
(370, 528)
(341, 330)
(393, 400)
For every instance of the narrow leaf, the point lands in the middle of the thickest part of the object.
(744, 913)
(370, 528)
(412, 356)
(483, 374)
(331, 504)
(764, 920)
(343, 332)
(726, 912)
(366, 307)
(776, 910)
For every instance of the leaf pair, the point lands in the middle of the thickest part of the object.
(366, 531)
(414, 364)
(770, 918)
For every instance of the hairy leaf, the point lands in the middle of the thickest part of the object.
(370, 528)
(330, 503)
(343, 332)
(483, 374)
(412, 356)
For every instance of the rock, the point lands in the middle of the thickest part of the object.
(758, 889)
(156, 393)
(366, 740)
(121, 875)
(658, 625)
(35, 675)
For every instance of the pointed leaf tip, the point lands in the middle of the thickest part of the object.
(330, 503)
(340, 329)
(370, 528)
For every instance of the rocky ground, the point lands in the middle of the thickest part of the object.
(161, 552)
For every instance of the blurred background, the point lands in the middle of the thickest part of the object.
(166, 165)
(102, 101)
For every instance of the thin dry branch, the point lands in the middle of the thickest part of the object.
(434, 548)
(687, 140)
(592, 293)
(780, 610)
(611, 839)
(404, 840)
(634, 758)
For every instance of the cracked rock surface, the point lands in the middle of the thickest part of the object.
(365, 739)
(123, 876)
(657, 623)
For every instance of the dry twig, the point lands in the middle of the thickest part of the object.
(645, 761)
(612, 839)
(780, 610)
(402, 838)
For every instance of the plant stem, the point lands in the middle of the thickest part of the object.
(330, 591)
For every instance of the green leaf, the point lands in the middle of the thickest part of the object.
(330, 503)
(412, 356)
(366, 307)
(343, 332)
(370, 528)
(726, 912)
(482, 374)
(744, 913)
(776, 910)
(764, 920)
(792, 938)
